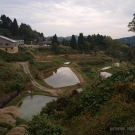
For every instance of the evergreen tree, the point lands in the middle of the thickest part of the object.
(6, 22)
(54, 40)
(55, 44)
(14, 28)
(5, 32)
(73, 42)
(89, 38)
(80, 42)
(87, 47)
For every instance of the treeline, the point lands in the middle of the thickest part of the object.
(11, 29)
(93, 44)
(85, 44)
(130, 41)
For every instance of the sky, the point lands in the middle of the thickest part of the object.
(68, 17)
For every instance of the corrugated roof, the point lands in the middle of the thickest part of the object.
(8, 39)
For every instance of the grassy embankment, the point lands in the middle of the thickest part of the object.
(12, 76)
(96, 111)
(38, 68)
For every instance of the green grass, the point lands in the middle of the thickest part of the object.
(43, 83)
(95, 110)
(17, 99)
(44, 65)
(37, 91)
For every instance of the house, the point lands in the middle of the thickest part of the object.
(8, 45)
(20, 42)
(45, 43)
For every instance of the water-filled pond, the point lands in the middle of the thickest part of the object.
(32, 105)
(105, 74)
(61, 77)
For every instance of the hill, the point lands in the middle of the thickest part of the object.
(61, 38)
(100, 110)
(128, 40)
(11, 29)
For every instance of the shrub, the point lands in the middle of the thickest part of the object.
(41, 125)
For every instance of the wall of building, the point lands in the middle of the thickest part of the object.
(5, 43)
(8, 46)
(20, 42)
(10, 50)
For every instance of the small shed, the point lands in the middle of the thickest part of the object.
(20, 42)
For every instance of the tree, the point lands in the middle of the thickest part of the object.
(5, 33)
(108, 41)
(14, 28)
(131, 24)
(89, 39)
(54, 40)
(6, 22)
(95, 50)
(87, 47)
(55, 45)
(80, 42)
(73, 42)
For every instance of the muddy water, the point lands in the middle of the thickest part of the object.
(61, 77)
(32, 105)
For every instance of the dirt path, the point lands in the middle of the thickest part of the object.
(27, 71)
(54, 92)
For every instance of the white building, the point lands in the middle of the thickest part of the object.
(20, 42)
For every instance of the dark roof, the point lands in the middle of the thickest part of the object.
(14, 41)
(45, 42)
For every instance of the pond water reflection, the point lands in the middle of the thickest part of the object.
(61, 77)
(105, 74)
(32, 105)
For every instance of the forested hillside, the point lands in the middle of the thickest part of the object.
(12, 29)
(128, 40)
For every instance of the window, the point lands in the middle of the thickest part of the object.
(0, 43)
(6, 44)
(11, 48)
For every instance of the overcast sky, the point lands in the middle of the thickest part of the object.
(67, 17)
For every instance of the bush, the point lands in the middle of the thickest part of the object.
(41, 125)
(19, 56)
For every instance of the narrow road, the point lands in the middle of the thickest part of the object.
(27, 71)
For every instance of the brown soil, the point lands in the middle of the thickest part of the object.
(43, 58)
(18, 131)
(53, 92)
(9, 115)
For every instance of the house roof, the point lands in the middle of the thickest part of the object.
(45, 42)
(14, 41)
